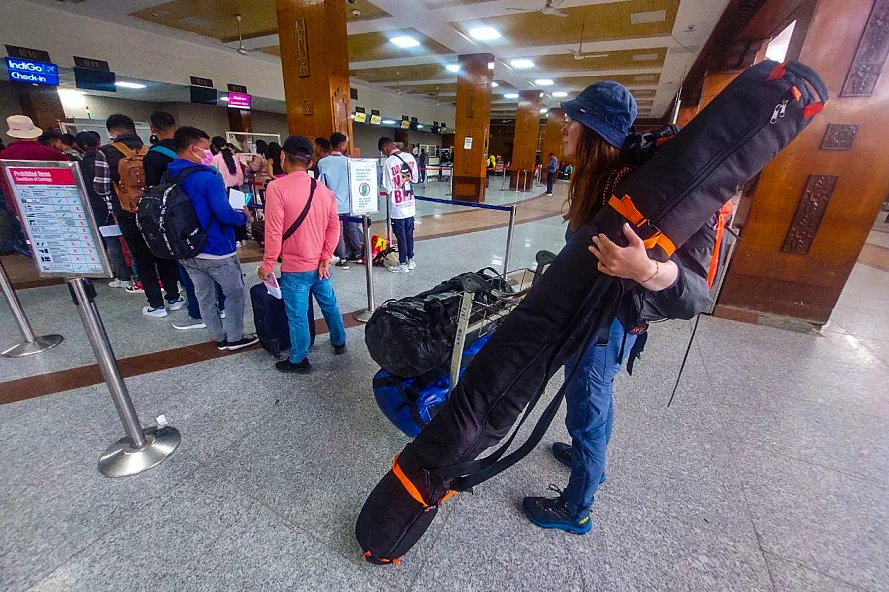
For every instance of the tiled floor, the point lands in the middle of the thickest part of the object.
(769, 472)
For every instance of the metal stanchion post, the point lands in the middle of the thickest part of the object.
(509, 232)
(141, 449)
(31, 344)
(364, 315)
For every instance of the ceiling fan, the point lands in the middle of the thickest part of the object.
(240, 48)
(551, 8)
(578, 53)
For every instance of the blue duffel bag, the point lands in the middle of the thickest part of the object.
(411, 403)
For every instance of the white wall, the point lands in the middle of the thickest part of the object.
(101, 107)
(394, 106)
(365, 138)
(270, 123)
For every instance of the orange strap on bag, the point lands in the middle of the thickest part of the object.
(626, 208)
(412, 489)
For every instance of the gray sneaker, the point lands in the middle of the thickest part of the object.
(399, 269)
(189, 323)
(411, 264)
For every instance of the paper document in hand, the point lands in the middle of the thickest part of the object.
(109, 231)
(237, 199)
(271, 284)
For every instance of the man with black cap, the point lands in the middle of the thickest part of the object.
(302, 228)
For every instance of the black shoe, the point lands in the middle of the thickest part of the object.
(554, 513)
(339, 349)
(562, 453)
(245, 341)
(222, 345)
(342, 264)
(288, 367)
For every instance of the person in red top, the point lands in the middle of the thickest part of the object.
(25, 147)
(297, 200)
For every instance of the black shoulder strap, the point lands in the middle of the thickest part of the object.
(302, 217)
(183, 174)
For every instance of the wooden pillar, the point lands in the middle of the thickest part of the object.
(315, 63)
(552, 139)
(401, 136)
(472, 125)
(41, 103)
(527, 134)
(816, 202)
(240, 120)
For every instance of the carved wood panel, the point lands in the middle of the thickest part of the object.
(809, 213)
(839, 137)
(871, 54)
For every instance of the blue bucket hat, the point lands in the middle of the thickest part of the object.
(607, 108)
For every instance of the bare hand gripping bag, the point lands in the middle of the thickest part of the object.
(667, 200)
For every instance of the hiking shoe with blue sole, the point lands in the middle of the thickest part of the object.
(554, 513)
(562, 453)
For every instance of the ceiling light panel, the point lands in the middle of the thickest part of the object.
(511, 96)
(453, 68)
(544, 82)
(521, 64)
(645, 57)
(560, 94)
(404, 41)
(484, 33)
(652, 16)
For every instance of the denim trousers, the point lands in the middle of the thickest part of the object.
(194, 309)
(296, 287)
(404, 234)
(207, 274)
(590, 414)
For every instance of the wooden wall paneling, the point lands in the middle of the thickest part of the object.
(527, 134)
(473, 120)
(763, 276)
(552, 141)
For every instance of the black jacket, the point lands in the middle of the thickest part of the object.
(87, 166)
(155, 162)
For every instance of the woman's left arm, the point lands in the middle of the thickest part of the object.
(632, 262)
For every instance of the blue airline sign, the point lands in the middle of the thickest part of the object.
(30, 71)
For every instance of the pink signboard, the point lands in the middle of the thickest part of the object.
(239, 100)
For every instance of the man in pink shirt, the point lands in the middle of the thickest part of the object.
(302, 228)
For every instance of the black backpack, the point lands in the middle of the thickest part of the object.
(168, 220)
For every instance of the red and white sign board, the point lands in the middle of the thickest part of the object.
(57, 218)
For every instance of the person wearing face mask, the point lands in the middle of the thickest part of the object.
(218, 262)
(107, 183)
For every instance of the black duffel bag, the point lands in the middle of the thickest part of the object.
(411, 336)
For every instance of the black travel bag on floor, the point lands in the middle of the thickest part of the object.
(667, 200)
(270, 318)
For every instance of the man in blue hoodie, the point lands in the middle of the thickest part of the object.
(218, 263)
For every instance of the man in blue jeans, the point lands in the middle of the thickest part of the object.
(302, 228)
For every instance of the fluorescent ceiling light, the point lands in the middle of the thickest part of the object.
(511, 96)
(491, 65)
(494, 85)
(453, 67)
(652, 16)
(559, 94)
(521, 64)
(388, 122)
(404, 41)
(645, 57)
(543, 82)
(125, 84)
(419, 126)
(225, 99)
(544, 110)
(484, 33)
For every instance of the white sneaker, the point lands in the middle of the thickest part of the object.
(176, 304)
(399, 269)
(221, 314)
(157, 313)
(411, 264)
(116, 283)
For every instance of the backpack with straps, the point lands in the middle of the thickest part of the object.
(168, 221)
(131, 171)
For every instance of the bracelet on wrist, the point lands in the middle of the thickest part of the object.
(657, 271)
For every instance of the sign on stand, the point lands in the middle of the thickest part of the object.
(65, 241)
(364, 190)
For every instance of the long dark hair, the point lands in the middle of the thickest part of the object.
(262, 147)
(594, 161)
(219, 143)
(275, 157)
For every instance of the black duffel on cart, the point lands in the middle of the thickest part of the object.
(667, 200)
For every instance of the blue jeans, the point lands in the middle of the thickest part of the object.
(590, 416)
(404, 234)
(296, 289)
(194, 310)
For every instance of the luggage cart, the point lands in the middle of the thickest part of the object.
(478, 319)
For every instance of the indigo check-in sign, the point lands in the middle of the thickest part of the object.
(34, 72)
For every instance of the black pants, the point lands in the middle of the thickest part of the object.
(147, 265)
(550, 179)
